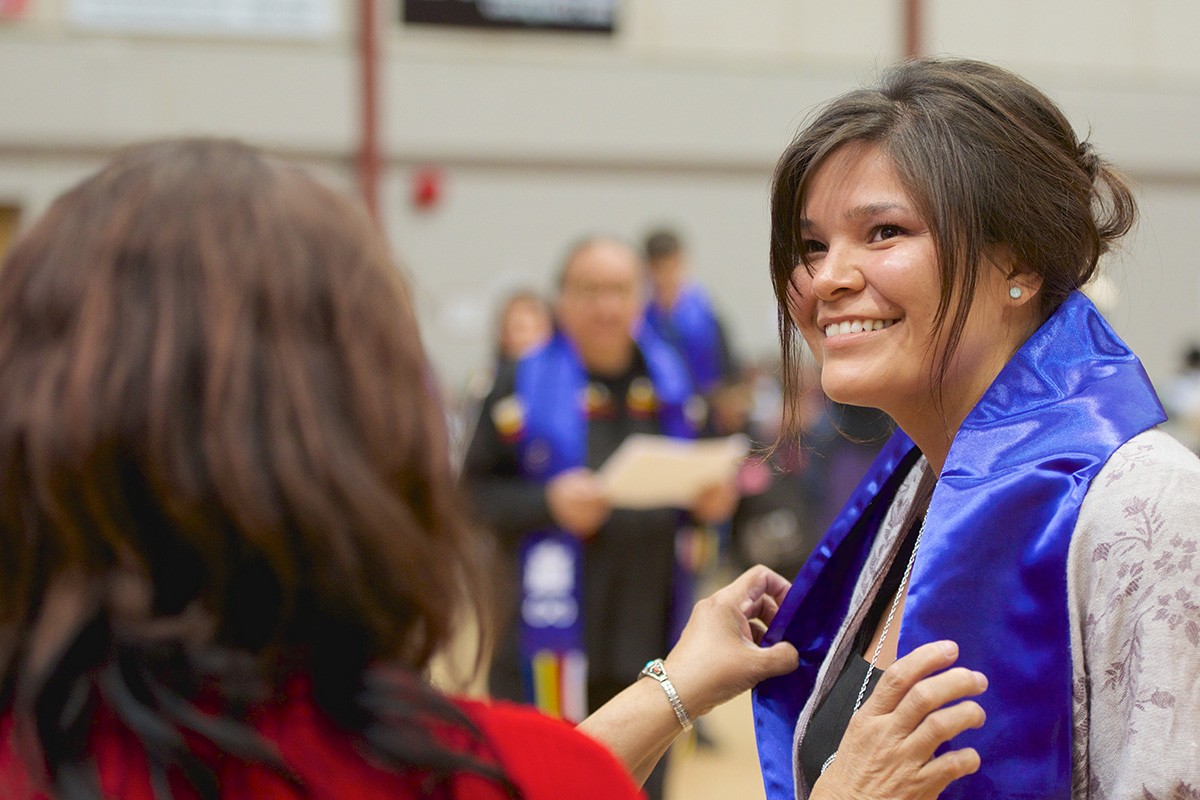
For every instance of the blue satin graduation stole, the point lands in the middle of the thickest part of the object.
(551, 384)
(691, 328)
(991, 571)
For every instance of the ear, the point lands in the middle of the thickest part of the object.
(1017, 276)
(1028, 282)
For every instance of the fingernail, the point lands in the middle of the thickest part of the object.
(948, 648)
(981, 679)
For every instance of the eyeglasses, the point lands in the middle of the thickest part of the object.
(597, 291)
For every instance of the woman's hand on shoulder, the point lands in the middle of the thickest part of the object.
(718, 656)
(888, 750)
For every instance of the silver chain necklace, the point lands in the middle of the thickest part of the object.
(887, 624)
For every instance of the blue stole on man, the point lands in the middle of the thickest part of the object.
(691, 328)
(991, 572)
(551, 384)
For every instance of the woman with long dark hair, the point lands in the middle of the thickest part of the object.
(931, 236)
(230, 541)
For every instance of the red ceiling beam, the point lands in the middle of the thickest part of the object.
(913, 32)
(370, 161)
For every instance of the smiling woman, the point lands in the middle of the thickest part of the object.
(930, 237)
(866, 295)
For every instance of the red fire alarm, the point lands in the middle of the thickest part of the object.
(12, 9)
(426, 188)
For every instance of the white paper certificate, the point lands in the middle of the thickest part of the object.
(658, 471)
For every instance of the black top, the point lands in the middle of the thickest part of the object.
(828, 723)
(629, 564)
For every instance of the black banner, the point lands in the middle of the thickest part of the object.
(591, 16)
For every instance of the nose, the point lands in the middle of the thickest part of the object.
(836, 273)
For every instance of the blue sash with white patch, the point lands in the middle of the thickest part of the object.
(551, 384)
(991, 572)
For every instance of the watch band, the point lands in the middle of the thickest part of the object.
(657, 670)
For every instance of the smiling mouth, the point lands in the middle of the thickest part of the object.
(857, 326)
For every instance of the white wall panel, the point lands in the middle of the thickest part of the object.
(101, 92)
(769, 30)
(1144, 40)
(1158, 276)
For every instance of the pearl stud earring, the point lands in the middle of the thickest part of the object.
(1015, 293)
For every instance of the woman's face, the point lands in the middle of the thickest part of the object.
(866, 302)
(524, 325)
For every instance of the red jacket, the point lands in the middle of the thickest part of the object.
(545, 758)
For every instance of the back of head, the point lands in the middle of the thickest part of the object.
(1191, 359)
(992, 165)
(218, 437)
(662, 243)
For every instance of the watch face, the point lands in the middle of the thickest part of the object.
(655, 670)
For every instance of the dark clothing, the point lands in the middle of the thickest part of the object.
(831, 719)
(832, 716)
(628, 565)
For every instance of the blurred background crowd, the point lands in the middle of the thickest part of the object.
(487, 137)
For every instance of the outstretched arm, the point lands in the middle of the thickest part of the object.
(717, 658)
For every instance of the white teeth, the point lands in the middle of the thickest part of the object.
(857, 326)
